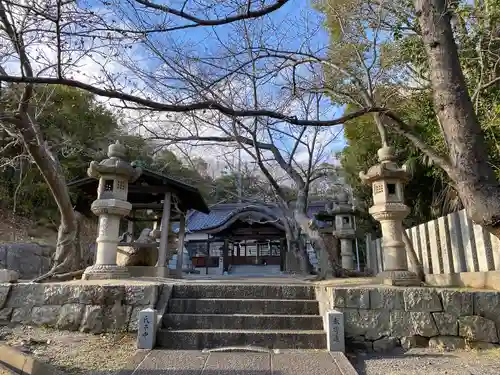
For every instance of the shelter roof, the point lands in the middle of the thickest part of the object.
(149, 190)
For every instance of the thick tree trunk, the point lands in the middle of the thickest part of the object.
(474, 178)
(68, 253)
(415, 263)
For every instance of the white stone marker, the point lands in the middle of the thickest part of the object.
(335, 331)
(146, 329)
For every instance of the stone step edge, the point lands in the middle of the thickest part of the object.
(244, 299)
(246, 315)
(246, 331)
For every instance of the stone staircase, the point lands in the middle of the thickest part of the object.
(210, 316)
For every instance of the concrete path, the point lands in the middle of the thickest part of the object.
(286, 362)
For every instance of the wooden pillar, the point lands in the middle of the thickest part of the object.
(207, 257)
(180, 249)
(130, 228)
(282, 255)
(225, 255)
(165, 228)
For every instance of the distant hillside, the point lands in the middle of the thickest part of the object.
(14, 228)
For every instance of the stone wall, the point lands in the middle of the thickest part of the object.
(379, 318)
(85, 306)
(29, 260)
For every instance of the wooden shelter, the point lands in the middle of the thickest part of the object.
(169, 198)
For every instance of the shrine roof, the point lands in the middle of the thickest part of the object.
(149, 189)
(222, 214)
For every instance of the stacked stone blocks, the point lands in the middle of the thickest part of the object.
(380, 318)
(73, 307)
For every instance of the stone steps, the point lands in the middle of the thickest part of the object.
(243, 321)
(244, 291)
(209, 316)
(199, 339)
(242, 306)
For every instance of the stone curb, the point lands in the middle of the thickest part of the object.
(343, 363)
(133, 363)
(22, 363)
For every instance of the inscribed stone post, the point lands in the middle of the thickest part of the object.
(335, 331)
(457, 248)
(469, 246)
(483, 248)
(435, 249)
(444, 240)
(146, 330)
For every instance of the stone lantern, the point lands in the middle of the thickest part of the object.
(344, 229)
(114, 174)
(388, 208)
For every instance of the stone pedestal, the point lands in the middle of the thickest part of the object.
(346, 253)
(389, 209)
(344, 229)
(111, 205)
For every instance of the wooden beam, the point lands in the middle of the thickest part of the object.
(160, 190)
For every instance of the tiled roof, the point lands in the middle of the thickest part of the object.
(221, 213)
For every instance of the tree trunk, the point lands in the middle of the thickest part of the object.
(297, 249)
(68, 253)
(474, 178)
(417, 265)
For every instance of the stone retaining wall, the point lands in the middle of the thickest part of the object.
(379, 318)
(87, 307)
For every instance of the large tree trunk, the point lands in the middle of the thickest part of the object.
(296, 249)
(68, 253)
(474, 178)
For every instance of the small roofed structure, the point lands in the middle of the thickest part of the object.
(147, 192)
(170, 199)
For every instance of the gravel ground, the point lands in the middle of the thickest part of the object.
(428, 362)
(72, 353)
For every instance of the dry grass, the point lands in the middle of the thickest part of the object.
(73, 353)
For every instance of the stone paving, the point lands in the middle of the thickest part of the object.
(285, 362)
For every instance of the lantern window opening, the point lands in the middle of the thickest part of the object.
(345, 220)
(391, 189)
(108, 185)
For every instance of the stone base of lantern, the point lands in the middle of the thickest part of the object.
(399, 278)
(105, 272)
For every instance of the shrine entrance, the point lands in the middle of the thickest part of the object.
(245, 241)
(252, 245)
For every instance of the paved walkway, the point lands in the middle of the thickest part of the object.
(287, 362)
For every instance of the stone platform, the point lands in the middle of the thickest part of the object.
(174, 362)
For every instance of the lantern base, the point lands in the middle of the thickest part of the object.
(105, 272)
(399, 278)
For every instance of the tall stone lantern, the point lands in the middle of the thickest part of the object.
(344, 229)
(387, 180)
(114, 174)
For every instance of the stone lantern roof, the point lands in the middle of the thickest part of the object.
(386, 169)
(115, 164)
(342, 206)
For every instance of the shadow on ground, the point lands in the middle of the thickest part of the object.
(423, 361)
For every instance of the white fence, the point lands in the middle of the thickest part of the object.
(449, 244)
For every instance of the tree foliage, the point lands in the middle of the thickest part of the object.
(395, 69)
